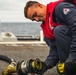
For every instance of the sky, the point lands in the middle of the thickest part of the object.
(12, 10)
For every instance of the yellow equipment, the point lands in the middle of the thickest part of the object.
(60, 68)
(9, 69)
(37, 64)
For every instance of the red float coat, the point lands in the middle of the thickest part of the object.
(49, 25)
(75, 1)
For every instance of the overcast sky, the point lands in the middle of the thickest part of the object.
(12, 10)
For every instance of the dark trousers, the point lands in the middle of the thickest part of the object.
(63, 39)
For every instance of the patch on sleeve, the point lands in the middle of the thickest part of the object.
(66, 11)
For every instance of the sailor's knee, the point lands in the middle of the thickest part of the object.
(57, 29)
(60, 29)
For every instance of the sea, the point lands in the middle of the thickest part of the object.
(20, 28)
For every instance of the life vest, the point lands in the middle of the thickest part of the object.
(75, 1)
(49, 25)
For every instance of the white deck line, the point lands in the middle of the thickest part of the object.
(24, 42)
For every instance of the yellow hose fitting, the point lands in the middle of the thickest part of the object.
(9, 69)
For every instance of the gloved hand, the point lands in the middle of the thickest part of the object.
(60, 68)
(31, 66)
(68, 68)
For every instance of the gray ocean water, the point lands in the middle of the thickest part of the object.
(20, 28)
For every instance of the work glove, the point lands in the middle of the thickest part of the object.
(67, 68)
(31, 66)
(60, 68)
